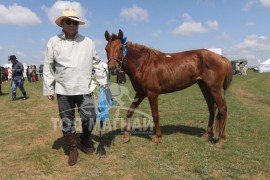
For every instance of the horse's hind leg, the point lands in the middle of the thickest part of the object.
(211, 107)
(221, 118)
(136, 102)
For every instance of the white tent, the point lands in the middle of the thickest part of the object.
(8, 66)
(215, 50)
(265, 66)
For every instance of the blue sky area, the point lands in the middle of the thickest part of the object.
(240, 27)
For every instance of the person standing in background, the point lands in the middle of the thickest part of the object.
(28, 73)
(33, 74)
(17, 77)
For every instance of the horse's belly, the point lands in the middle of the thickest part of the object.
(176, 83)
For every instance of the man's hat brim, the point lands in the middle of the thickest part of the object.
(71, 14)
(59, 20)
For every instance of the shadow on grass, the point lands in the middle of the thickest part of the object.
(60, 143)
(109, 137)
(172, 129)
(4, 94)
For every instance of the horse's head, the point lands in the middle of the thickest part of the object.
(114, 49)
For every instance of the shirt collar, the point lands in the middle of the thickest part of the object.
(63, 35)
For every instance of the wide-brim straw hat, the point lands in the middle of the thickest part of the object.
(71, 14)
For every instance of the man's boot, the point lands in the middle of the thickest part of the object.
(71, 142)
(87, 146)
(24, 96)
(13, 96)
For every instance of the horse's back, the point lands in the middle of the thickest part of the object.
(168, 72)
(216, 69)
(201, 64)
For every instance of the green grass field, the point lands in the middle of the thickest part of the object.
(32, 146)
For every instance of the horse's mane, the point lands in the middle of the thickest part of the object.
(144, 48)
(140, 47)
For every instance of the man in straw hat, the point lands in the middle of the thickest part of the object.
(69, 61)
(17, 77)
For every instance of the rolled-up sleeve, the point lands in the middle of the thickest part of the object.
(49, 71)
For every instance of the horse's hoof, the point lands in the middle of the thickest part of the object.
(156, 139)
(205, 137)
(220, 144)
(126, 137)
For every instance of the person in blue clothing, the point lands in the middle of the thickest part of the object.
(17, 77)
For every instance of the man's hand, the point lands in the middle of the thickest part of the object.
(105, 86)
(50, 97)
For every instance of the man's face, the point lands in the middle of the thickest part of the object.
(13, 61)
(70, 26)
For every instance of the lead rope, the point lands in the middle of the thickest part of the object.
(124, 42)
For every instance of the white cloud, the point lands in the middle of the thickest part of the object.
(250, 3)
(56, 10)
(186, 17)
(208, 3)
(252, 48)
(265, 3)
(134, 14)
(225, 36)
(156, 33)
(191, 27)
(212, 25)
(18, 15)
(251, 23)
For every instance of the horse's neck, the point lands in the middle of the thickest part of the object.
(133, 61)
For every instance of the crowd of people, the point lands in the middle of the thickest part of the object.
(31, 72)
(7, 74)
(241, 68)
(17, 73)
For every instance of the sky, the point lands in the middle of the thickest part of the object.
(241, 28)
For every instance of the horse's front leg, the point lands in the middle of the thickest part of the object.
(153, 100)
(136, 102)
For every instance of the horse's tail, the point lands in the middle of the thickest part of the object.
(228, 77)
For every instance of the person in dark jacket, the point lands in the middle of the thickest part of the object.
(17, 77)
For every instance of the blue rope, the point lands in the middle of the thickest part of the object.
(124, 42)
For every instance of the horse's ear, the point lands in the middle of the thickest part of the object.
(120, 34)
(107, 35)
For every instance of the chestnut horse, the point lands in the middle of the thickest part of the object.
(152, 72)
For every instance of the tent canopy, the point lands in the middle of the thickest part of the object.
(266, 62)
(7, 65)
(265, 66)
